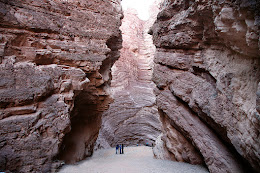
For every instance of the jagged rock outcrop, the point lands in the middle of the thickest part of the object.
(133, 116)
(207, 69)
(55, 63)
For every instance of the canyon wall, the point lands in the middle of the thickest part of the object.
(207, 73)
(55, 60)
(133, 116)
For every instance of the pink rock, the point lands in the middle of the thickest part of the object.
(55, 62)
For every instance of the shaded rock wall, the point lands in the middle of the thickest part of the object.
(55, 63)
(207, 69)
(133, 116)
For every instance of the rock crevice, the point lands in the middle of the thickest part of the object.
(133, 116)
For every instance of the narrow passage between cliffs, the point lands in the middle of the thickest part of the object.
(135, 159)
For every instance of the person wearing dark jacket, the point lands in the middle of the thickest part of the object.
(122, 148)
(117, 146)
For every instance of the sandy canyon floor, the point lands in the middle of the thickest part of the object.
(134, 160)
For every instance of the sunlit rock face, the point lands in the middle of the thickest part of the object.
(55, 63)
(207, 73)
(133, 116)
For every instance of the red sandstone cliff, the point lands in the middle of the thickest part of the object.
(55, 62)
(207, 73)
(55, 70)
(133, 116)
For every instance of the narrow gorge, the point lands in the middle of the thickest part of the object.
(77, 76)
(133, 116)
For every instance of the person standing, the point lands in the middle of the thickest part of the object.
(117, 146)
(122, 148)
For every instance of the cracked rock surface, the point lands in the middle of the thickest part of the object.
(207, 69)
(55, 60)
(133, 116)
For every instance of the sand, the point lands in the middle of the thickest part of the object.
(135, 160)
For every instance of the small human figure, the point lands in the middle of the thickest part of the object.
(117, 146)
(120, 149)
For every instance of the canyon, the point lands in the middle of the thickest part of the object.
(133, 116)
(77, 76)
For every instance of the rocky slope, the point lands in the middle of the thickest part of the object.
(133, 116)
(55, 63)
(207, 69)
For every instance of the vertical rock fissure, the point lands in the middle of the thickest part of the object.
(218, 131)
(85, 124)
(188, 153)
(86, 116)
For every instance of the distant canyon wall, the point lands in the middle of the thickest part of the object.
(207, 73)
(133, 116)
(55, 63)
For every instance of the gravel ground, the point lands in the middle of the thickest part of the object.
(135, 160)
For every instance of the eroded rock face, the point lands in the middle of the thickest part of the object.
(55, 63)
(207, 69)
(133, 116)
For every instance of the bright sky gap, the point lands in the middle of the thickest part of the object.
(142, 7)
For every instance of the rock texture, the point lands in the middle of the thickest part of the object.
(133, 116)
(207, 69)
(55, 63)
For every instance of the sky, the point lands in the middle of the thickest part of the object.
(142, 7)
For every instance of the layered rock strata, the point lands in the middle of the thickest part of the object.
(207, 69)
(55, 63)
(133, 116)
